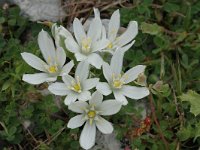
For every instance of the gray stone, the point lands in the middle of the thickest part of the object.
(42, 10)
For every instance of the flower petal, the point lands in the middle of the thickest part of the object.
(101, 44)
(36, 78)
(71, 45)
(96, 99)
(84, 96)
(96, 12)
(34, 61)
(128, 35)
(104, 126)
(46, 46)
(120, 97)
(109, 107)
(70, 98)
(67, 68)
(67, 79)
(94, 31)
(82, 70)
(107, 72)
(133, 73)
(89, 83)
(58, 89)
(78, 106)
(114, 25)
(135, 92)
(76, 122)
(78, 30)
(95, 60)
(126, 47)
(87, 138)
(103, 88)
(117, 62)
(80, 57)
(60, 56)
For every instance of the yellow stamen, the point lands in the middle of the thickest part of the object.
(110, 45)
(76, 86)
(86, 45)
(52, 69)
(91, 114)
(117, 83)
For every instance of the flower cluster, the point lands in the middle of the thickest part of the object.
(88, 44)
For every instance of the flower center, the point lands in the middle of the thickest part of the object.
(110, 45)
(86, 45)
(76, 86)
(117, 81)
(117, 84)
(91, 114)
(53, 69)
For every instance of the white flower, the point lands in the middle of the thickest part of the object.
(60, 34)
(117, 83)
(91, 114)
(54, 65)
(112, 29)
(87, 46)
(77, 87)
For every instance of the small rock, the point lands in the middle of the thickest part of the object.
(42, 10)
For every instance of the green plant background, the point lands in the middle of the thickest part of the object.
(168, 43)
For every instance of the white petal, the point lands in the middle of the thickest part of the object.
(128, 35)
(58, 89)
(76, 122)
(34, 61)
(103, 34)
(78, 30)
(135, 92)
(54, 29)
(107, 72)
(61, 56)
(104, 88)
(96, 13)
(78, 106)
(36, 78)
(126, 47)
(80, 57)
(117, 62)
(89, 83)
(96, 99)
(94, 31)
(64, 32)
(68, 79)
(114, 25)
(104, 126)
(133, 73)
(70, 98)
(87, 138)
(67, 68)
(84, 96)
(82, 70)
(95, 60)
(120, 97)
(99, 45)
(71, 45)
(46, 46)
(109, 107)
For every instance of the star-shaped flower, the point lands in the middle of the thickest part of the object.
(54, 65)
(90, 114)
(117, 82)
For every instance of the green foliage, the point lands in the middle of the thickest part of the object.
(167, 43)
(194, 99)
